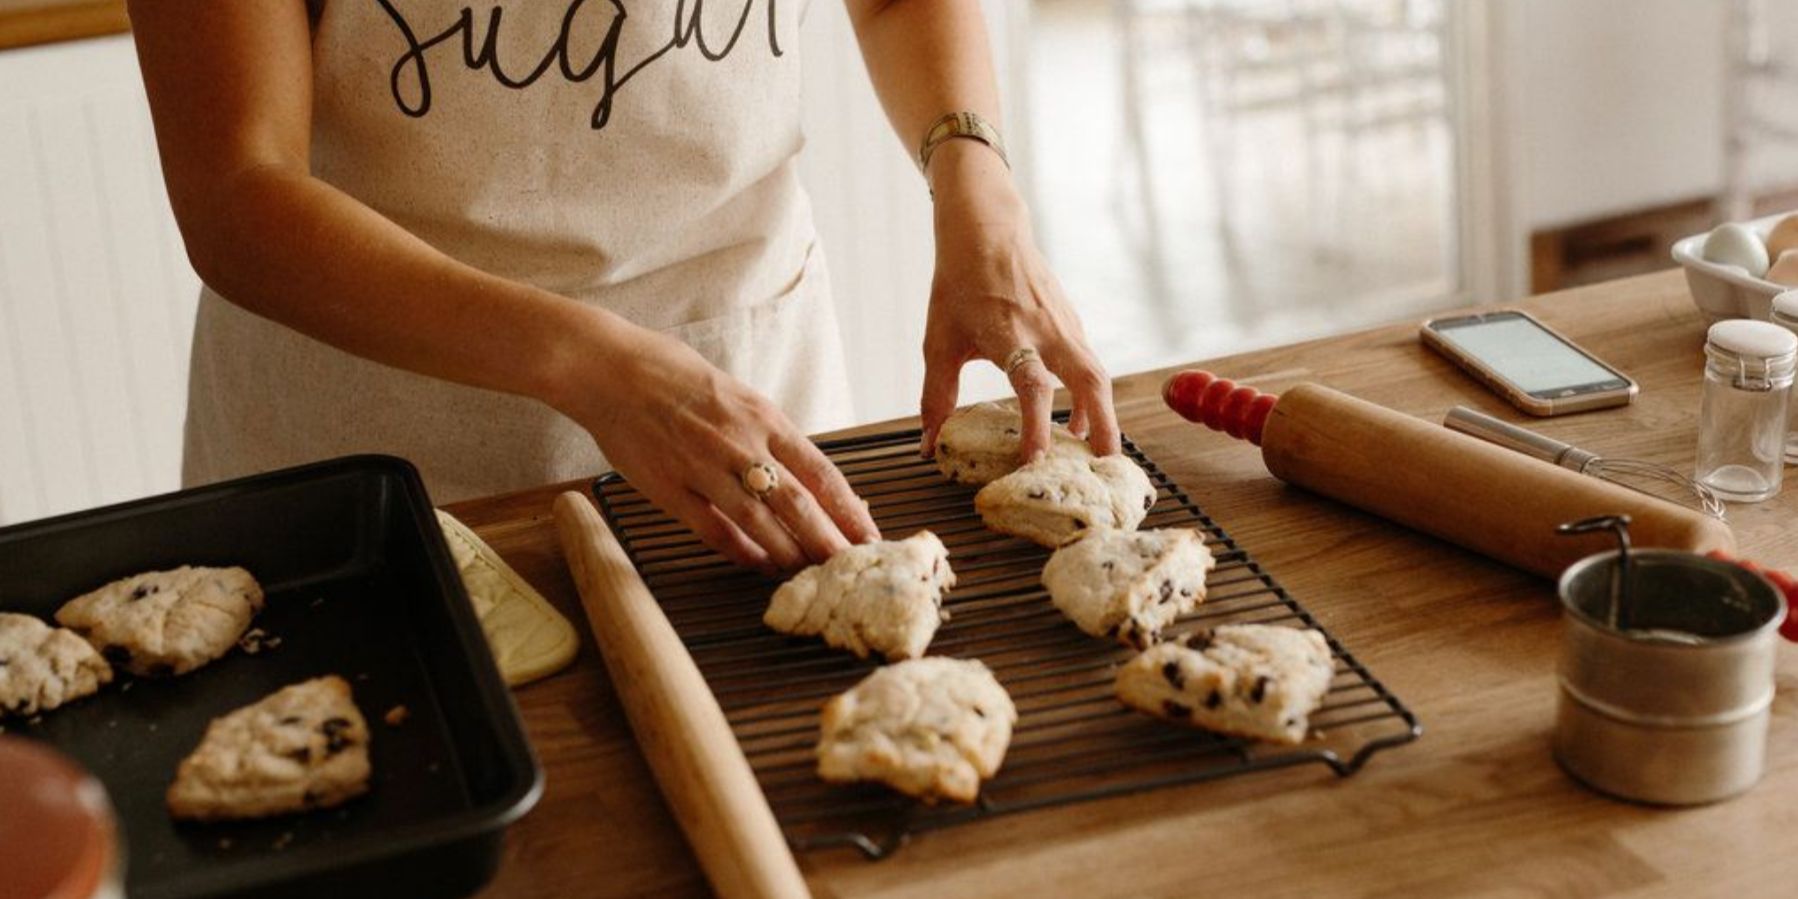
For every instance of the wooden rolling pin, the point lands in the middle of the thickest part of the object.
(1494, 501)
(683, 732)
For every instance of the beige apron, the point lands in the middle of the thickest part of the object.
(637, 155)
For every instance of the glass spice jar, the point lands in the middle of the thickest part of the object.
(1742, 420)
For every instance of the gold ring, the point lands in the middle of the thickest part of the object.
(760, 479)
(1018, 357)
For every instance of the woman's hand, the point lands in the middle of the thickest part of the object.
(683, 432)
(993, 294)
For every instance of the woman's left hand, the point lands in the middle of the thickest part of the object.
(993, 295)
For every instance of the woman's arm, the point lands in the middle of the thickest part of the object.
(229, 83)
(993, 292)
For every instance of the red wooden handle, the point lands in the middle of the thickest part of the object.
(1785, 582)
(1219, 404)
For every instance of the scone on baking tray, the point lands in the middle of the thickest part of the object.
(933, 728)
(43, 668)
(1128, 585)
(302, 747)
(166, 622)
(1252, 680)
(1052, 500)
(885, 597)
(979, 443)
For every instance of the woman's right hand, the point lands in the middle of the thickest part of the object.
(683, 432)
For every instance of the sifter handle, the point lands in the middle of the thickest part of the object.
(1503, 433)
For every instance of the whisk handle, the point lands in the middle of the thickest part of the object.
(1492, 430)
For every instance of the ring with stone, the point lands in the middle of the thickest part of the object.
(1018, 357)
(760, 479)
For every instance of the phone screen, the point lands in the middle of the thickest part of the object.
(1529, 355)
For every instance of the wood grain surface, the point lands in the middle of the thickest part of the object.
(1476, 806)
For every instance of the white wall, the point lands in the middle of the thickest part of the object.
(96, 298)
(1615, 104)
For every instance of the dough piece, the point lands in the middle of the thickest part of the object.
(979, 444)
(931, 728)
(1128, 585)
(1253, 680)
(885, 597)
(529, 638)
(1051, 501)
(166, 622)
(303, 747)
(43, 668)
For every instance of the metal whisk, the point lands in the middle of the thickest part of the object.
(1651, 478)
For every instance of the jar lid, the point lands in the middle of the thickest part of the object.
(1753, 339)
(56, 835)
(1785, 306)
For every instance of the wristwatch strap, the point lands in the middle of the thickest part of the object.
(960, 124)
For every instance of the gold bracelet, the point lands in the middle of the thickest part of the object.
(960, 124)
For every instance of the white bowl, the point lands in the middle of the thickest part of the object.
(1728, 291)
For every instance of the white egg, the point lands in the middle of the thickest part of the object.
(1734, 244)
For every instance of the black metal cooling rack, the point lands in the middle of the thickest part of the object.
(1073, 741)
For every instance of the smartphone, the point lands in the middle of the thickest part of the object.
(1528, 364)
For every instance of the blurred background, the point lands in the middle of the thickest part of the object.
(1207, 177)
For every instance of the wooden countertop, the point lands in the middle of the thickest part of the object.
(1476, 805)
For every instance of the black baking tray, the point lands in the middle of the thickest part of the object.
(360, 584)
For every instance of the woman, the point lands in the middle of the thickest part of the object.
(491, 237)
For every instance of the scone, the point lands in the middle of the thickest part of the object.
(1128, 585)
(528, 637)
(1053, 500)
(1252, 680)
(884, 597)
(932, 728)
(166, 622)
(302, 747)
(979, 444)
(42, 668)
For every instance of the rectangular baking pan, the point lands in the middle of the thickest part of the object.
(360, 584)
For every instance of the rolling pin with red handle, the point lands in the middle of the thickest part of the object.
(1469, 492)
(1478, 495)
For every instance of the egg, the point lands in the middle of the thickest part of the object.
(1785, 269)
(1733, 244)
(1783, 237)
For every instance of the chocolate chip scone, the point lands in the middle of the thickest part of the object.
(302, 747)
(1128, 585)
(1053, 500)
(933, 728)
(43, 668)
(1252, 680)
(166, 622)
(979, 444)
(884, 597)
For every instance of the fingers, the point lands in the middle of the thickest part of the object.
(757, 520)
(828, 487)
(717, 531)
(1091, 389)
(1036, 397)
(942, 387)
(1078, 423)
